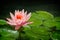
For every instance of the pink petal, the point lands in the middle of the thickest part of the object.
(12, 16)
(10, 23)
(24, 16)
(26, 13)
(17, 12)
(18, 22)
(28, 16)
(9, 20)
(17, 27)
(22, 11)
(27, 23)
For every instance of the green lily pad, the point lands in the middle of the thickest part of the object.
(3, 22)
(37, 33)
(8, 34)
(58, 25)
(44, 15)
(56, 36)
(39, 16)
(35, 19)
(49, 23)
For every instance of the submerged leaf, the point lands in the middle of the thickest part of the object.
(57, 19)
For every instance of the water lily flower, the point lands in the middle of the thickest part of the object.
(19, 19)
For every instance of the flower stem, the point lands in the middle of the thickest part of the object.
(20, 30)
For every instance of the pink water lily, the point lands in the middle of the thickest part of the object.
(19, 19)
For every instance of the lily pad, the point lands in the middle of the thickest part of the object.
(44, 15)
(3, 22)
(35, 19)
(8, 34)
(37, 33)
(49, 23)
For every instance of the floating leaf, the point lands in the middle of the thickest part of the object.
(49, 23)
(44, 15)
(35, 19)
(56, 36)
(39, 16)
(37, 33)
(58, 25)
(8, 34)
(2, 22)
(57, 19)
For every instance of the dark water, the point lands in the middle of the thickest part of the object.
(7, 6)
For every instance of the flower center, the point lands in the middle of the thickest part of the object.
(19, 16)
